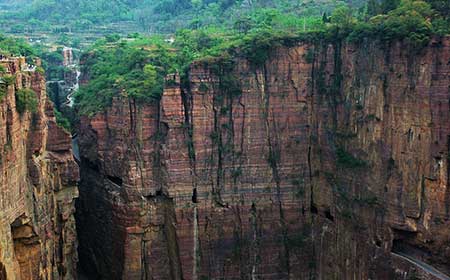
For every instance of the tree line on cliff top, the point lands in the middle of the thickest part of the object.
(136, 66)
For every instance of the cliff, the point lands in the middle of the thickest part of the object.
(37, 183)
(328, 161)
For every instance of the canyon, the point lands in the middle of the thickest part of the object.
(38, 182)
(326, 161)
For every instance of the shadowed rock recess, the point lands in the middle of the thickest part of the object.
(328, 161)
(38, 182)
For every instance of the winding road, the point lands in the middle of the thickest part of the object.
(420, 264)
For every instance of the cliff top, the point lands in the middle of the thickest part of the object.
(136, 67)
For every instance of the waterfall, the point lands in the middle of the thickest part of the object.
(73, 89)
(73, 77)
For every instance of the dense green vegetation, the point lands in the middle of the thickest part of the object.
(72, 22)
(53, 64)
(167, 16)
(151, 15)
(14, 46)
(26, 100)
(62, 121)
(6, 80)
(136, 66)
(136, 69)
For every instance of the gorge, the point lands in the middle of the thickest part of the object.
(246, 140)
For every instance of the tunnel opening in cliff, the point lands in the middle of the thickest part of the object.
(404, 244)
(116, 180)
(402, 241)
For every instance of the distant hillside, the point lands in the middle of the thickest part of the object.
(13, 4)
(41, 19)
(149, 15)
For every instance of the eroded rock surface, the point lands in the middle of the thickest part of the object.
(316, 165)
(38, 184)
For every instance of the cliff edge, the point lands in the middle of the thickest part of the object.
(38, 181)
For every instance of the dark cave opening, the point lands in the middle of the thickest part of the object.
(194, 196)
(402, 240)
(328, 215)
(116, 180)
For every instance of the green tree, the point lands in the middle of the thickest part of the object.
(243, 25)
(373, 8)
(411, 20)
(441, 6)
(151, 76)
(325, 18)
(389, 5)
(111, 38)
(343, 17)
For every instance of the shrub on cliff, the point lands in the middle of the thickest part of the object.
(3, 90)
(26, 100)
(347, 160)
(61, 120)
(8, 79)
(4, 82)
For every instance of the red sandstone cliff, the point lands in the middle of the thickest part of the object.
(37, 185)
(327, 159)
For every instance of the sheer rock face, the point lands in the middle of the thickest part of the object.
(330, 158)
(127, 227)
(37, 186)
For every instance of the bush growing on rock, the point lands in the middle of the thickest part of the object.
(26, 100)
